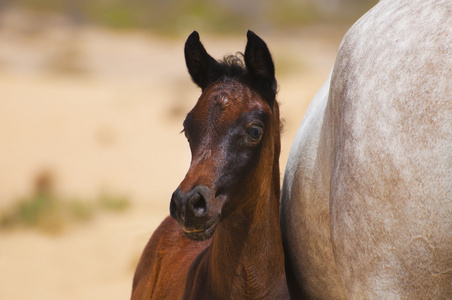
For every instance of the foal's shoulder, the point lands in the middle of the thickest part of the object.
(165, 261)
(148, 269)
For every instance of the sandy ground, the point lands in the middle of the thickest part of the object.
(102, 112)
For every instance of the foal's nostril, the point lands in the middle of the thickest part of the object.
(172, 209)
(198, 204)
(194, 203)
(175, 204)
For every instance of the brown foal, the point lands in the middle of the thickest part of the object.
(223, 240)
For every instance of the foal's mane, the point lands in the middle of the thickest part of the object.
(233, 65)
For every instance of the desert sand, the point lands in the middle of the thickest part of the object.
(102, 112)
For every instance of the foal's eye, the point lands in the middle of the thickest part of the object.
(255, 133)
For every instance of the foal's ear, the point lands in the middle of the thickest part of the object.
(259, 63)
(203, 68)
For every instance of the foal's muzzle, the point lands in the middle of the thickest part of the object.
(191, 211)
(195, 202)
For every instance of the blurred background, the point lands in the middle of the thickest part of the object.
(92, 99)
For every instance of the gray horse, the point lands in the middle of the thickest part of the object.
(366, 207)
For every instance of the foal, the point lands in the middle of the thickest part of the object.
(223, 240)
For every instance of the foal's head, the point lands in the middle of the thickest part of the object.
(233, 132)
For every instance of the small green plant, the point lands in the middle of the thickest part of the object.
(52, 215)
(41, 211)
(112, 203)
(28, 212)
(47, 212)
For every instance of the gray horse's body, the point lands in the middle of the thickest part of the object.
(366, 207)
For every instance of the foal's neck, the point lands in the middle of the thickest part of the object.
(258, 215)
(246, 249)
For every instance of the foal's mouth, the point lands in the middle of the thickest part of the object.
(201, 234)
